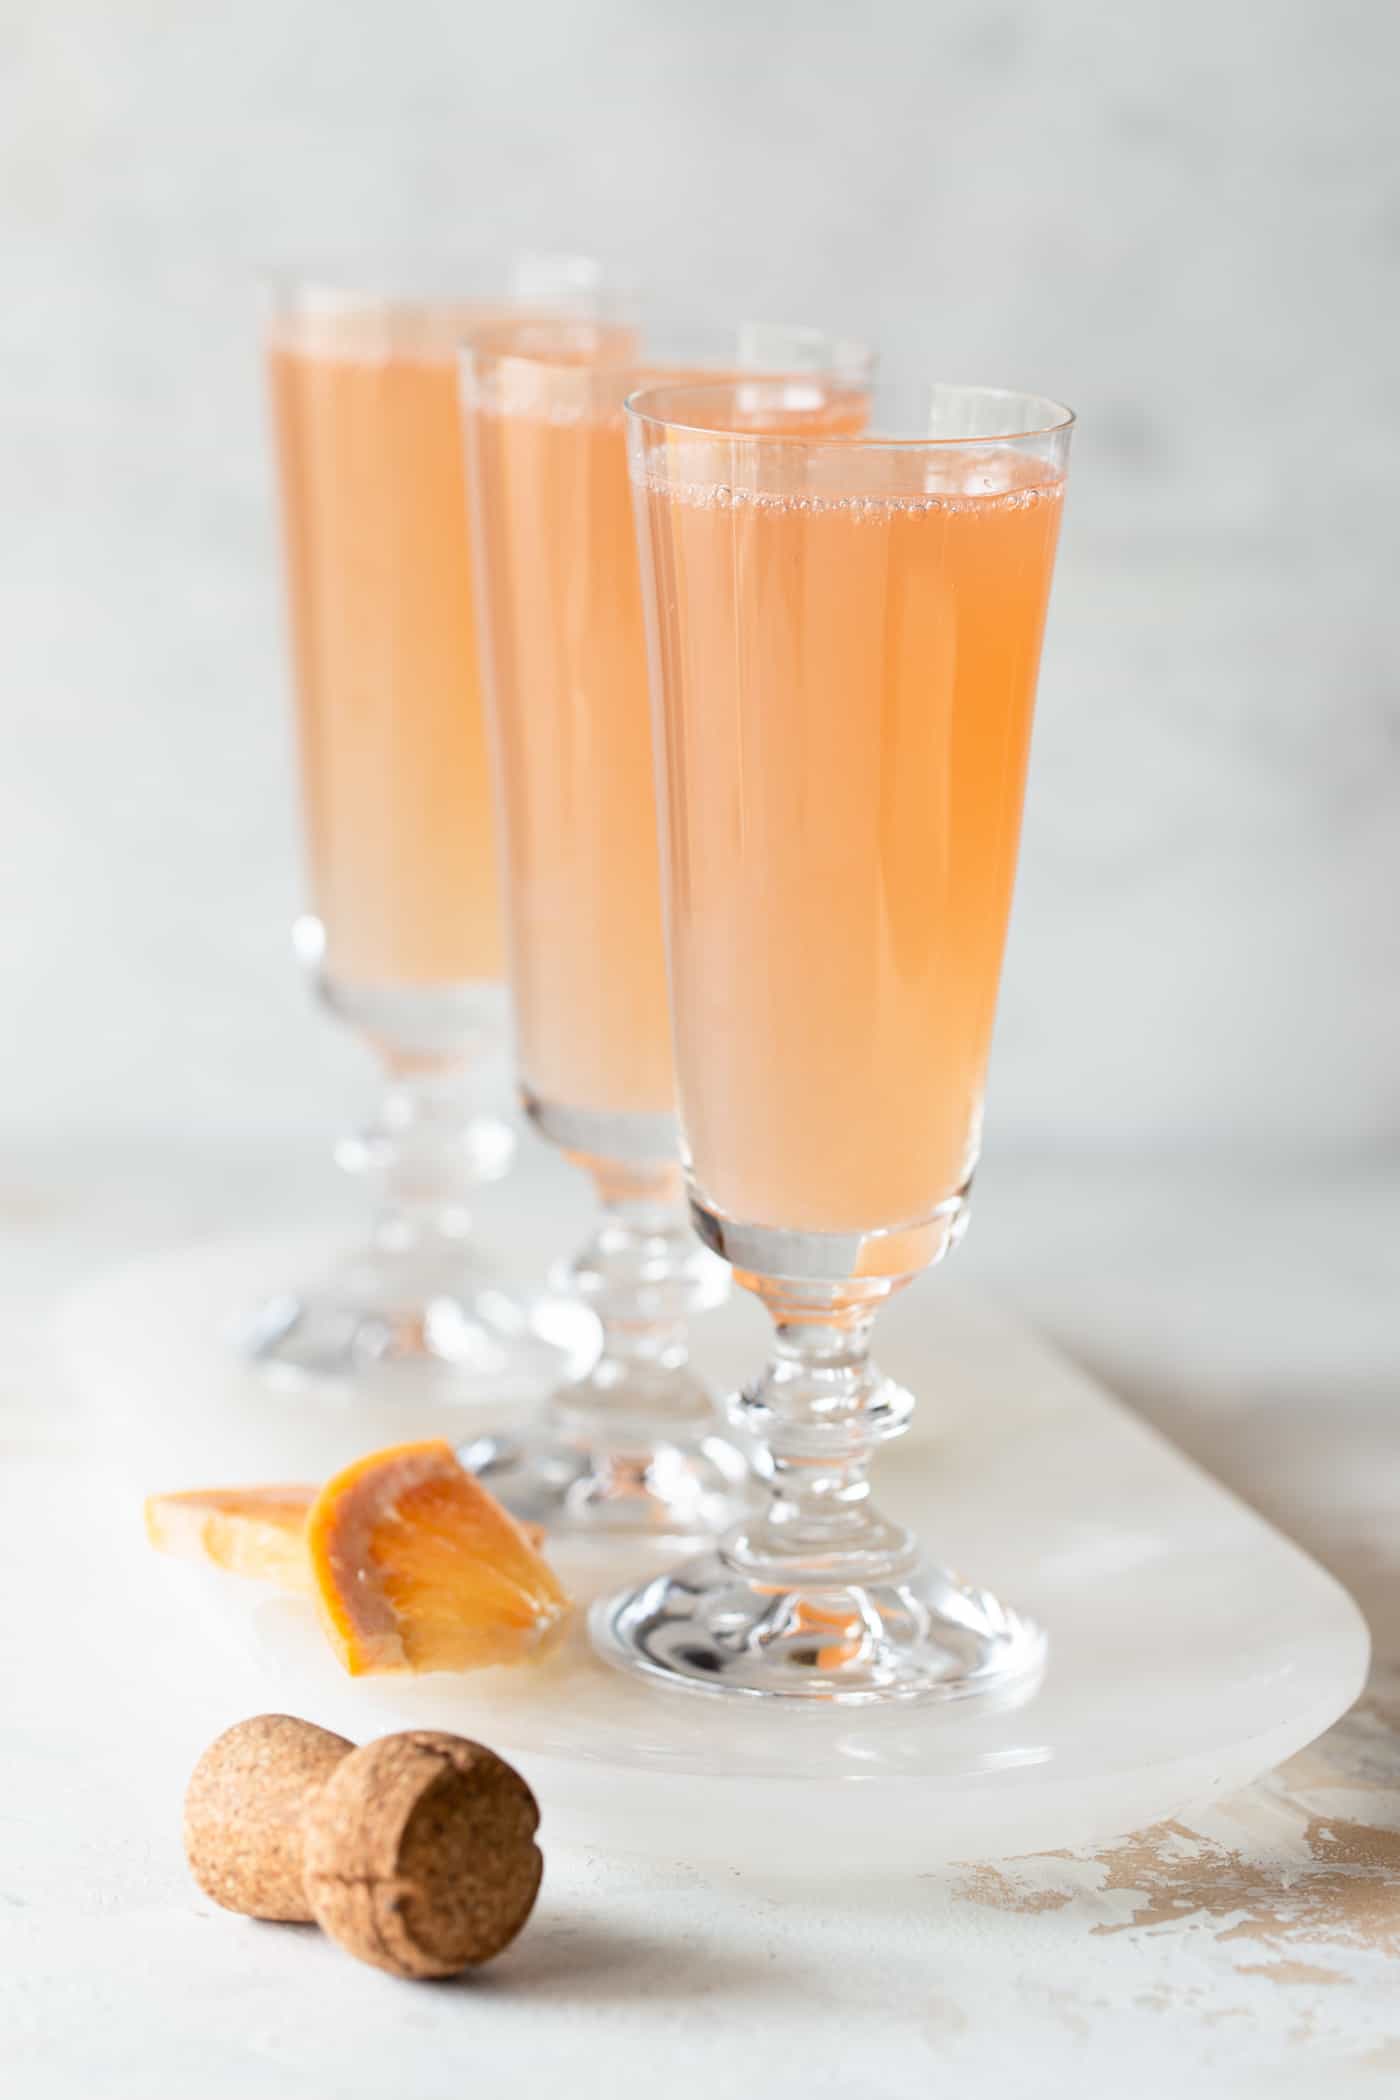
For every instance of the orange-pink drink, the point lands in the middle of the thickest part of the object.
(561, 606)
(561, 602)
(848, 657)
(393, 749)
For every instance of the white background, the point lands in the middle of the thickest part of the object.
(1183, 219)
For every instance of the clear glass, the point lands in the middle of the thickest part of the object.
(845, 625)
(564, 656)
(403, 936)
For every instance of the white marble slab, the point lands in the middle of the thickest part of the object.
(1193, 1647)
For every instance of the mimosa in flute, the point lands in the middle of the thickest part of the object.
(393, 752)
(568, 710)
(404, 928)
(846, 633)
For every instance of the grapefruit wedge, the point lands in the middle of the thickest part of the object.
(415, 1566)
(258, 1531)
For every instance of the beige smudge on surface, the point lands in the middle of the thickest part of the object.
(1348, 1895)
(1310, 1881)
(943, 2020)
(1350, 1898)
(990, 1887)
(1066, 2008)
(1290, 1971)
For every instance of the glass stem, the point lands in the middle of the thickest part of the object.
(644, 1275)
(428, 1147)
(819, 1412)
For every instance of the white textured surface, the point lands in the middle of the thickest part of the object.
(1182, 219)
(1254, 1952)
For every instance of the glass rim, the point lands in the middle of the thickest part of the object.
(324, 294)
(312, 317)
(1057, 421)
(684, 346)
(528, 283)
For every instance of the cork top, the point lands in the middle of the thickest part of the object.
(420, 1853)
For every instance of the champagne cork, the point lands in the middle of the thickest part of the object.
(244, 1808)
(420, 1854)
(416, 1853)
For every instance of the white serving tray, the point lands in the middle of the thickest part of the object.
(1192, 1647)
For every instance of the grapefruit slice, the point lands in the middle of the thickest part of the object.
(415, 1566)
(259, 1531)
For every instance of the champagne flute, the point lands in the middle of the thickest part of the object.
(403, 934)
(635, 1441)
(845, 631)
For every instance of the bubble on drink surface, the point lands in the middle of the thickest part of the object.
(897, 482)
(981, 470)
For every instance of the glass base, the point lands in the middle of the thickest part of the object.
(486, 1344)
(707, 1627)
(681, 1489)
(634, 1445)
(419, 1305)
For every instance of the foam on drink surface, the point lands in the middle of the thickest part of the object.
(900, 482)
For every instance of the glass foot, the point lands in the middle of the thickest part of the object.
(708, 1627)
(486, 1345)
(633, 1445)
(680, 1489)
